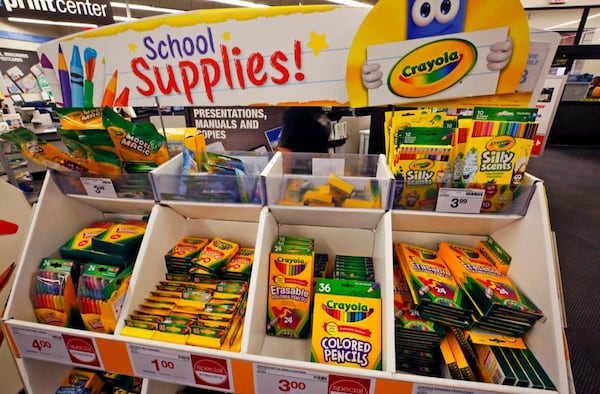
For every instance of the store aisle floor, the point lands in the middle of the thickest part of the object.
(572, 179)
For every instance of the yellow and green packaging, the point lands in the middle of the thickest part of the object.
(346, 328)
(290, 290)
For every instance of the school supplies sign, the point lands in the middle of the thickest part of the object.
(212, 57)
(297, 55)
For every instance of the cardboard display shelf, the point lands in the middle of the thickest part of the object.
(266, 362)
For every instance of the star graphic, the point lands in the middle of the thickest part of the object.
(317, 42)
(132, 47)
(226, 36)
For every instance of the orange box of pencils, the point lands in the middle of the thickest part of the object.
(290, 290)
(347, 324)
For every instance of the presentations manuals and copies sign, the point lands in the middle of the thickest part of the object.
(320, 55)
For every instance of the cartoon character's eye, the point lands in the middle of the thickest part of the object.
(447, 10)
(422, 13)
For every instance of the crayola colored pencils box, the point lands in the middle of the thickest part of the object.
(347, 324)
(290, 292)
(493, 294)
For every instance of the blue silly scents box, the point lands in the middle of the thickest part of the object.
(347, 324)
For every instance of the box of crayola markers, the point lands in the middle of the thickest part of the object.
(347, 324)
(290, 293)
(421, 166)
(497, 152)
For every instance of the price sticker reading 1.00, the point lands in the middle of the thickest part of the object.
(459, 200)
(99, 187)
(156, 363)
(271, 379)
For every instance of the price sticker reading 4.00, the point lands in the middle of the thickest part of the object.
(271, 379)
(459, 200)
(99, 187)
(41, 344)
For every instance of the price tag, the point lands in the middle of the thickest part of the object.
(423, 389)
(459, 200)
(156, 363)
(40, 344)
(326, 167)
(82, 350)
(349, 384)
(99, 187)
(212, 372)
(271, 379)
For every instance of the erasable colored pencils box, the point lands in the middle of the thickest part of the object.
(290, 293)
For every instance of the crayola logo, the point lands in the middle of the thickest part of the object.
(500, 143)
(421, 165)
(432, 68)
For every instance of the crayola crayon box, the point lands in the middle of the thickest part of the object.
(497, 152)
(291, 266)
(347, 324)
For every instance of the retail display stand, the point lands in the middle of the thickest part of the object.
(15, 212)
(270, 364)
(46, 352)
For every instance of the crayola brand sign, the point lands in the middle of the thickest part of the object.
(437, 68)
(439, 53)
(346, 329)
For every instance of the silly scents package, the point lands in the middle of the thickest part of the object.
(347, 324)
(496, 153)
(421, 166)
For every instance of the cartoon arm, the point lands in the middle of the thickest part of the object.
(371, 76)
(500, 54)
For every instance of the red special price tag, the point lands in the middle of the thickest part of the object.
(212, 372)
(349, 384)
(82, 350)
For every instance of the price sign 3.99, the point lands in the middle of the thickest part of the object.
(459, 200)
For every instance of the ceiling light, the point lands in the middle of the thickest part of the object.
(47, 22)
(351, 3)
(241, 3)
(141, 7)
(123, 18)
(574, 21)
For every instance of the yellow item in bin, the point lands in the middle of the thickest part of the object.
(315, 197)
(340, 186)
(216, 254)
